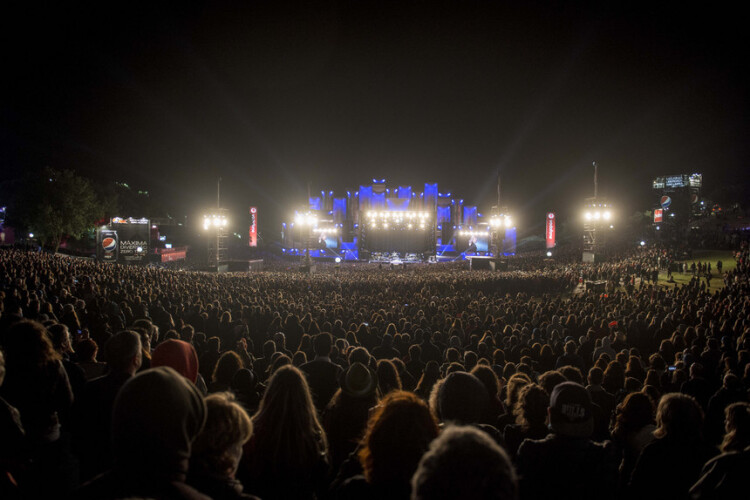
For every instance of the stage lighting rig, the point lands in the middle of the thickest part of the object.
(598, 221)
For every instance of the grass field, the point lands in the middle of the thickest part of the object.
(712, 256)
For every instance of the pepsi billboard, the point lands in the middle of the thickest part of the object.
(107, 245)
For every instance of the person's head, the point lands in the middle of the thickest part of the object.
(388, 377)
(462, 399)
(571, 411)
(397, 435)
(27, 345)
(531, 407)
(635, 412)
(226, 367)
(570, 347)
(287, 430)
(737, 427)
(179, 355)
(596, 375)
(322, 344)
(155, 418)
(464, 463)
(487, 376)
(572, 373)
(218, 448)
(358, 381)
(678, 416)
(123, 352)
(60, 336)
(86, 351)
(551, 379)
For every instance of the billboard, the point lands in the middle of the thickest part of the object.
(107, 245)
(253, 240)
(134, 237)
(550, 230)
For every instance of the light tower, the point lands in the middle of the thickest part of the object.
(598, 219)
(215, 222)
(500, 220)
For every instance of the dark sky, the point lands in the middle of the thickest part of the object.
(273, 95)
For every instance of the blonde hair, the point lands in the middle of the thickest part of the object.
(227, 427)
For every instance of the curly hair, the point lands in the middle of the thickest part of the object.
(397, 435)
(531, 407)
(216, 448)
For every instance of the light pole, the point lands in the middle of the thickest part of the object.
(307, 222)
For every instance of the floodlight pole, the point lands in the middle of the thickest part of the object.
(596, 179)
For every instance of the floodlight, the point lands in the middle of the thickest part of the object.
(587, 215)
(337, 260)
(597, 215)
(607, 215)
(643, 243)
(549, 254)
(508, 222)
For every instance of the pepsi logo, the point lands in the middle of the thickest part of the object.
(665, 201)
(109, 244)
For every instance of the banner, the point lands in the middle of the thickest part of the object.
(253, 240)
(658, 213)
(107, 245)
(550, 232)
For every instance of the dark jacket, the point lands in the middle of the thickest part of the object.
(667, 468)
(323, 378)
(156, 416)
(563, 467)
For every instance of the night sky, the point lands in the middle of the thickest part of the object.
(273, 95)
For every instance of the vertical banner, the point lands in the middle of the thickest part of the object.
(658, 214)
(107, 249)
(253, 240)
(550, 232)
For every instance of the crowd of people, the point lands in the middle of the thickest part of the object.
(433, 382)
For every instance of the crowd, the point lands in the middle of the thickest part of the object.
(357, 382)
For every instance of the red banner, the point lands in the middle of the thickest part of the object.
(658, 215)
(253, 240)
(550, 232)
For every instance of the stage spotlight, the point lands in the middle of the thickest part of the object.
(337, 260)
(607, 215)
(587, 215)
(597, 215)
(643, 243)
(508, 222)
(549, 254)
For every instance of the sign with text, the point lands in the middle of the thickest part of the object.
(550, 230)
(253, 240)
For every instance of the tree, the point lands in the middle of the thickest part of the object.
(54, 204)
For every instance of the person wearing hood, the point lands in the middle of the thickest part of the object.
(180, 356)
(156, 416)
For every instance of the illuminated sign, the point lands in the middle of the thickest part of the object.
(658, 215)
(550, 230)
(253, 240)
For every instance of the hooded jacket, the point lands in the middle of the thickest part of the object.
(156, 416)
